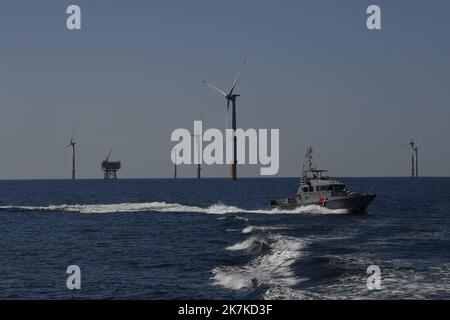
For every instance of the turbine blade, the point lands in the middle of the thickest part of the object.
(201, 119)
(237, 77)
(214, 87)
(73, 131)
(413, 136)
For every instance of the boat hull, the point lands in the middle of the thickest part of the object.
(354, 203)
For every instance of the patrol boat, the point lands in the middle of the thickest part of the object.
(317, 188)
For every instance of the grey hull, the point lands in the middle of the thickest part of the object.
(354, 204)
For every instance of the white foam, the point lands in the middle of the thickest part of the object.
(286, 293)
(247, 244)
(217, 208)
(230, 280)
(248, 229)
(251, 229)
(112, 208)
(272, 268)
(310, 209)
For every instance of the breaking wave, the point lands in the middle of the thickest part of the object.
(217, 208)
(249, 244)
(248, 229)
(272, 268)
(254, 229)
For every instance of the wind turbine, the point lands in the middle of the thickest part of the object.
(231, 97)
(414, 156)
(72, 144)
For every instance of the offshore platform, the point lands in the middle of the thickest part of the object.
(110, 168)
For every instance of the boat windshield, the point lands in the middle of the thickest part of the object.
(337, 188)
(316, 174)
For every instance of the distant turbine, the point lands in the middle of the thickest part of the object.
(414, 155)
(231, 96)
(72, 144)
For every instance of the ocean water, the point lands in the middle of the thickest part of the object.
(216, 239)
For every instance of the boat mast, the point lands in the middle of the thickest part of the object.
(309, 153)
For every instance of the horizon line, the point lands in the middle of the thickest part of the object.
(211, 178)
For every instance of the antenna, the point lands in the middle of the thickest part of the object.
(309, 153)
(109, 154)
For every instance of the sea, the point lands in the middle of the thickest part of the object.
(217, 239)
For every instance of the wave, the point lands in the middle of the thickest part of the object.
(127, 207)
(249, 244)
(248, 229)
(272, 268)
(217, 208)
(253, 229)
(310, 209)
(285, 293)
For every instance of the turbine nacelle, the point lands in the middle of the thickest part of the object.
(232, 96)
(412, 144)
(71, 144)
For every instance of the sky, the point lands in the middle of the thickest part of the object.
(133, 74)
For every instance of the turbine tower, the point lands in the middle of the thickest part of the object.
(416, 152)
(197, 140)
(72, 144)
(174, 150)
(231, 97)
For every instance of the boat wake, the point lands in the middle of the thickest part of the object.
(273, 268)
(217, 208)
(250, 244)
